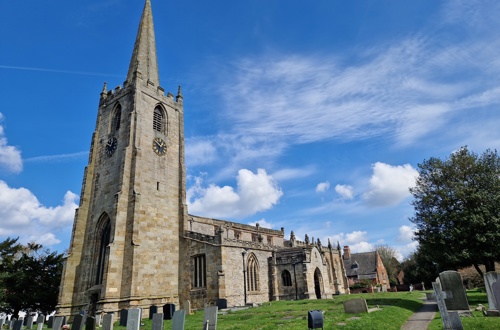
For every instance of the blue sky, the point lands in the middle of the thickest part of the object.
(308, 116)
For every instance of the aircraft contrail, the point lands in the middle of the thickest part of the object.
(57, 158)
(61, 71)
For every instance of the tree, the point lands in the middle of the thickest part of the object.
(29, 277)
(457, 209)
(388, 255)
(418, 267)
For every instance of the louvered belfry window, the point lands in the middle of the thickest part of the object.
(158, 120)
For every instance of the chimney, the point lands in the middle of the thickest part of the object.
(347, 252)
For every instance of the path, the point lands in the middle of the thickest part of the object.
(421, 318)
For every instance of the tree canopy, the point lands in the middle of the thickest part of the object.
(29, 277)
(388, 255)
(457, 209)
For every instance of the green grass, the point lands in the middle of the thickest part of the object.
(395, 308)
(478, 321)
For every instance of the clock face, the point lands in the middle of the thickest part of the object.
(159, 146)
(111, 146)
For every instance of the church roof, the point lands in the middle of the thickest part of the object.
(144, 59)
(361, 264)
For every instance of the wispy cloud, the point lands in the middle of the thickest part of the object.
(10, 156)
(61, 71)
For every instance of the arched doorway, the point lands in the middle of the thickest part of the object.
(318, 282)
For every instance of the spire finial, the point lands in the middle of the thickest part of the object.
(179, 94)
(144, 58)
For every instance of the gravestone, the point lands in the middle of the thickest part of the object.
(178, 320)
(39, 326)
(134, 319)
(78, 322)
(123, 317)
(8, 323)
(210, 317)
(24, 319)
(2, 322)
(157, 323)
(18, 325)
(152, 310)
(98, 319)
(489, 279)
(50, 322)
(168, 311)
(58, 322)
(107, 322)
(40, 319)
(90, 323)
(496, 291)
(187, 307)
(29, 322)
(456, 298)
(355, 306)
(451, 320)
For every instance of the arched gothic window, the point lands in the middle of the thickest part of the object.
(158, 120)
(287, 278)
(102, 243)
(252, 273)
(117, 118)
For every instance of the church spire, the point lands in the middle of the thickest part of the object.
(144, 58)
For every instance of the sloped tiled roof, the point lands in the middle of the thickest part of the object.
(361, 264)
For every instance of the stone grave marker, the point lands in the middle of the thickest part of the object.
(496, 292)
(107, 322)
(123, 317)
(489, 279)
(355, 306)
(187, 307)
(29, 322)
(8, 323)
(210, 317)
(157, 323)
(2, 322)
(451, 320)
(134, 319)
(78, 322)
(23, 318)
(50, 322)
(18, 325)
(456, 297)
(39, 326)
(152, 310)
(58, 322)
(90, 323)
(168, 311)
(11, 324)
(178, 320)
(40, 319)
(98, 320)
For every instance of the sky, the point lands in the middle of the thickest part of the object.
(312, 116)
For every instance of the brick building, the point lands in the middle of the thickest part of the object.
(133, 242)
(364, 266)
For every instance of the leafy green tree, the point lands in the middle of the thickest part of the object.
(418, 267)
(29, 277)
(457, 209)
(388, 255)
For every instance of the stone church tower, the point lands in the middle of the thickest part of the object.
(125, 245)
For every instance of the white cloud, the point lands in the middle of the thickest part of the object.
(262, 223)
(24, 216)
(322, 187)
(200, 151)
(256, 192)
(389, 185)
(10, 156)
(406, 234)
(292, 173)
(346, 192)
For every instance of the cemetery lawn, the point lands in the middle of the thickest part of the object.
(395, 308)
(478, 321)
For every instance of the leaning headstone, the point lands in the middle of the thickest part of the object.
(210, 317)
(123, 317)
(50, 322)
(456, 298)
(40, 319)
(187, 307)
(29, 322)
(178, 320)
(134, 319)
(78, 322)
(18, 325)
(90, 323)
(489, 279)
(451, 320)
(496, 291)
(157, 323)
(107, 322)
(355, 306)
(58, 322)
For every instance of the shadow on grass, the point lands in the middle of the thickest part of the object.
(409, 304)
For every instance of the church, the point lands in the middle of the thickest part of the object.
(134, 244)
